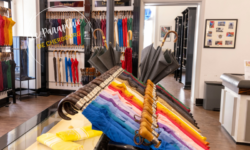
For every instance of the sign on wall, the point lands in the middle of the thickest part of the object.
(220, 33)
(67, 4)
(101, 3)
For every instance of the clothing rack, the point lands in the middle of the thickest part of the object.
(65, 51)
(7, 12)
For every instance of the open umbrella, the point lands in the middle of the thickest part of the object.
(104, 59)
(156, 64)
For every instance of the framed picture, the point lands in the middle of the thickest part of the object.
(220, 33)
(163, 31)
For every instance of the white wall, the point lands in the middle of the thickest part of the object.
(215, 62)
(165, 16)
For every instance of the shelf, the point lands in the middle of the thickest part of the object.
(17, 79)
(25, 92)
(6, 90)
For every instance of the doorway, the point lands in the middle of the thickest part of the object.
(155, 22)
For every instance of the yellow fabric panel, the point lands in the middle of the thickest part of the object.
(78, 134)
(124, 90)
(55, 143)
(12, 23)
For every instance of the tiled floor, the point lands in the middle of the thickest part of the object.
(208, 121)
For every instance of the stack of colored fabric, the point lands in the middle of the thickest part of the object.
(118, 109)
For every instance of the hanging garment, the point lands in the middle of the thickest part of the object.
(66, 70)
(64, 31)
(76, 69)
(128, 59)
(116, 35)
(6, 34)
(120, 32)
(82, 26)
(1, 31)
(58, 70)
(67, 31)
(61, 69)
(4, 71)
(8, 63)
(103, 25)
(99, 36)
(78, 30)
(55, 33)
(1, 77)
(125, 30)
(10, 31)
(69, 66)
(73, 70)
(74, 31)
(55, 70)
(71, 34)
(59, 29)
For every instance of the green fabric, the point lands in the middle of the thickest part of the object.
(173, 96)
(134, 77)
(82, 26)
(9, 74)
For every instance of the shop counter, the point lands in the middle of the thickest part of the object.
(235, 107)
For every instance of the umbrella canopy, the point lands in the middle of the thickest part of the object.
(156, 64)
(104, 59)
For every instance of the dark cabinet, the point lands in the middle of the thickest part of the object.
(185, 58)
(177, 44)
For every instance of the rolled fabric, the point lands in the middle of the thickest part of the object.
(55, 143)
(78, 134)
(66, 70)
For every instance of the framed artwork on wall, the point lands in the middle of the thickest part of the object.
(220, 33)
(163, 31)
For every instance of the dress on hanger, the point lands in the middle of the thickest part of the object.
(1, 31)
(1, 77)
(10, 31)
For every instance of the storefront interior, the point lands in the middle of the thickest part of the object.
(124, 74)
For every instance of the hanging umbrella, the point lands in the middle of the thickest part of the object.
(69, 66)
(54, 62)
(58, 67)
(76, 68)
(154, 63)
(66, 68)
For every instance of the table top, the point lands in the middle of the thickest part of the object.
(48, 121)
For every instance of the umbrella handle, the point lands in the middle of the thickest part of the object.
(103, 36)
(164, 39)
(130, 36)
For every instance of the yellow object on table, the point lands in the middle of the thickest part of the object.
(55, 143)
(78, 134)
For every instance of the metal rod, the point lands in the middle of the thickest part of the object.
(110, 22)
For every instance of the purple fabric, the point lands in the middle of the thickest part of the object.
(170, 131)
(117, 103)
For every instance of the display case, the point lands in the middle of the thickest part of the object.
(25, 59)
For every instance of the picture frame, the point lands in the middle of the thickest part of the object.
(220, 33)
(163, 31)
